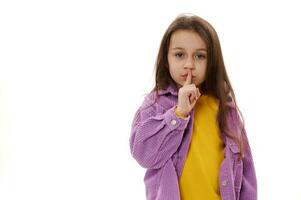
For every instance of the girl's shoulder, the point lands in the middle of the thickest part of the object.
(159, 101)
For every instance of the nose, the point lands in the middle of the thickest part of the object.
(189, 64)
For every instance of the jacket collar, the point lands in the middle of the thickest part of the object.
(168, 89)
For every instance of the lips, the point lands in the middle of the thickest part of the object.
(185, 75)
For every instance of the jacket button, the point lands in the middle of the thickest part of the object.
(173, 122)
(224, 183)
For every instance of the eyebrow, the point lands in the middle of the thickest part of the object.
(201, 49)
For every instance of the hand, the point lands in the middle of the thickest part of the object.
(187, 96)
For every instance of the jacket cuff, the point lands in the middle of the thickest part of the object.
(175, 122)
(179, 114)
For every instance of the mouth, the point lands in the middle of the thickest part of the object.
(184, 76)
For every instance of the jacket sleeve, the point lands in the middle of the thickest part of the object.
(155, 136)
(249, 181)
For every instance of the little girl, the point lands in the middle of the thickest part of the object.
(188, 132)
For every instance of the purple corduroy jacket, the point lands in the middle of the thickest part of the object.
(160, 140)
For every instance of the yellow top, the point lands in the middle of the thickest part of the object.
(199, 178)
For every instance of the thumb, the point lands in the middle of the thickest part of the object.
(188, 78)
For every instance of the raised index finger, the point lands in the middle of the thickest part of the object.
(188, 78)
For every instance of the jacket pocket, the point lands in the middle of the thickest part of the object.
(234, 148)
(237, 168)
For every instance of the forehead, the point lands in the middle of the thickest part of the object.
(187, 39)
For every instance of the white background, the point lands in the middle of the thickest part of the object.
(72, 74)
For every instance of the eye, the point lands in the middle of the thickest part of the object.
(201, 56)
(179, 55)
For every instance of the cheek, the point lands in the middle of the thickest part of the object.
(202, 68)
(201, 73)
(173, 71)
(173, 67)
(172, 63)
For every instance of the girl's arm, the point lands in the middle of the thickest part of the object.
(155, 137)
(249, 181)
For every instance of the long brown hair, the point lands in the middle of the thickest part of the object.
(216, 81)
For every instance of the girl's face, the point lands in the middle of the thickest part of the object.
(187, 51)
